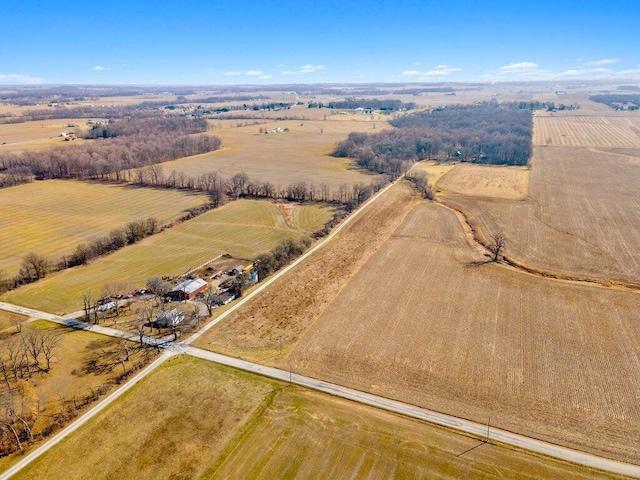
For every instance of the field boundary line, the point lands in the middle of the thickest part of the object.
(448, 421)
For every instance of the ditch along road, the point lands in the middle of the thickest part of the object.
(484, 433)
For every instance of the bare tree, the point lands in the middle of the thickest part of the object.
(49, 340)
(498, 242)
(88, 303)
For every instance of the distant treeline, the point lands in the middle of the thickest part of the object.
(488, 132)
(618, 101)
(384, 105)
(125, 145)
(222, 98)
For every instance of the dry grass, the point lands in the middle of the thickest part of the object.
(69, 384)
(292, 303)
(486, 181)
(194, 419)
(304, 434)
(171, 425)
(53, 216)
(8, 321)
(311, 217)
(434, 170)
(37, 135)
(581, 218)
(302, 154)
(575, 130)
(243, 228)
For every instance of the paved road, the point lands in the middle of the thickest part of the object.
(430, 416)
(292, 265)
(57, 438)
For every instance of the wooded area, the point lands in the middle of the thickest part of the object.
(124, 144)
(488, 133)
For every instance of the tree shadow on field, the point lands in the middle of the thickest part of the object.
(478, 263)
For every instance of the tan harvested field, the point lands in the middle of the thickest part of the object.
(243, 228)
(575, 130)
(434, 169)
(53, 216)
(317, 436)
(411, 319)
(273, 318)
(35, 135)
(300, 155)
(486, 181)
(547, 359)
(581, 218)
(171, 425)
(83, 364)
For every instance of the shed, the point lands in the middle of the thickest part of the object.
(188, 289)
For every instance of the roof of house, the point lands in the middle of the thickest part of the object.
(190, 286)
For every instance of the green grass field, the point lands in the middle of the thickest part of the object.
(53, 216)
(194, 419)
(241, 228)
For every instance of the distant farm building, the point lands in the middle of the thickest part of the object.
(188, 289)
(170, 319)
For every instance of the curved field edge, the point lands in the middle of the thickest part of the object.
(427, 323)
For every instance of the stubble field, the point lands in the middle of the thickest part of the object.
(53, 216)
(581, 217)
(36, 135)
(486, 181)
(422, 323)
(575, 130)
(243, 228)
(414, 317)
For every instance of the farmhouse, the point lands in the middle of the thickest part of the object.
(188, 289)
(170, 319)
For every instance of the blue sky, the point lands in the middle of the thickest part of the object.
(242, 42)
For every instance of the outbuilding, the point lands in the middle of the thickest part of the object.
(188, 289)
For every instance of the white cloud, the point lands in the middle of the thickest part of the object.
(265, 77)
(518, 67)
(124, 64)
(99, 68)
(304, 69)
(604, 61)
(441, 70)
(311, 68)
(411, 73)
(18, 78)
(417, 63)
(248, 73)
